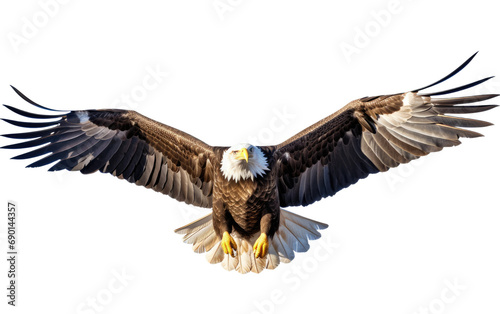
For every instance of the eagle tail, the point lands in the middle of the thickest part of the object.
(293, 235)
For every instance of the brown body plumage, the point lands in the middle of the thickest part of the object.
(249, 206)
(247, 190)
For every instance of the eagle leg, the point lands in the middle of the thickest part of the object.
(261, 246)
(228, 243)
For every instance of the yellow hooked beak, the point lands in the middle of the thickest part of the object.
(242, 154)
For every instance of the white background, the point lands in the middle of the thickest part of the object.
(396, 241)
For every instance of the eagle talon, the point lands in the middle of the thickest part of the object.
(228, 243)
(261, 245)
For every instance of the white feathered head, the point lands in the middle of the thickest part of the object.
(243, 161)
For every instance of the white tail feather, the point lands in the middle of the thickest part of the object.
(293, 234)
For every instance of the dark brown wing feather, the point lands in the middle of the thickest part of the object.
(125, 144)
(370, 135)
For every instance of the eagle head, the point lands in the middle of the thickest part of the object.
(243, 161)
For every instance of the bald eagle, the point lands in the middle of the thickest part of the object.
(248, 186)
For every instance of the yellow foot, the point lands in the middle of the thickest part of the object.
(228, 243)
(261, 245)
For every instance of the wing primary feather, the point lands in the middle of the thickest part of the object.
(32, 115)
(411, 139)
(79, 149)
(26, 135)
(460, 132)
(463, 65)
(31, 101)
(457, 89)
(463, 109)
(420, 136)
(432, 130)
(92, 153)
(85, 152)
(459, 121)
(31, 124)
(79, 140)
(53, 147)
(47, 160)
(61, 137)
(461, 100)
(103, 157)
(27, 144)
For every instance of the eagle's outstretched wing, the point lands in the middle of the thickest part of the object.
(123, 143)
(370, 135)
